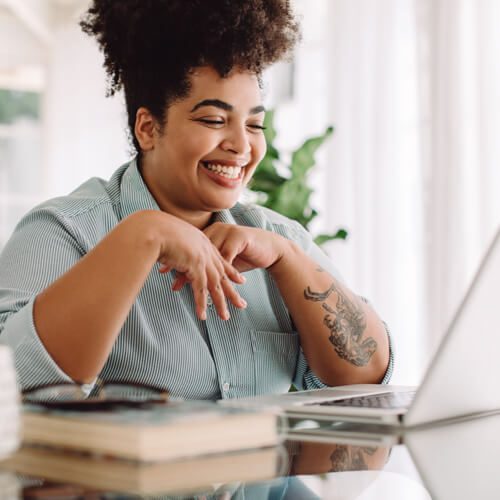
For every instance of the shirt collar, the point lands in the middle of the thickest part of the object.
(224, 216)
(136, 196)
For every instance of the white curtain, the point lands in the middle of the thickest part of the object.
(460, 102)
(413, 169)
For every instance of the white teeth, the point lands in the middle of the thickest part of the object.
(222, 170)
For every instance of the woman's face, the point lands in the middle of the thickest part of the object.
(210, 146)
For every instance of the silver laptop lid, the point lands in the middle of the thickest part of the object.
(464, 375)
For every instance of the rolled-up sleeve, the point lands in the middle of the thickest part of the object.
(41, 249)
(33, 363)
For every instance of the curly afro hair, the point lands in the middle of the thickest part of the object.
(151, 46)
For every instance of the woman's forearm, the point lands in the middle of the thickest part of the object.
(79, 316)
(343, 339)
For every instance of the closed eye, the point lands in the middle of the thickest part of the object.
(221, 122)
(210, 122)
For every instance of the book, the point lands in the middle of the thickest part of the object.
(10, 421)
(154, 432)
(191, 475)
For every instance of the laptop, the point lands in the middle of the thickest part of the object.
(460, 382)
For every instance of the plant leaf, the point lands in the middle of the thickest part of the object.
(341, 234)
(309, 218)
(266, 178)
(289, 195)
(270, 131)
(303, 158)
(272, 153)
(266, 182)
(291, 199)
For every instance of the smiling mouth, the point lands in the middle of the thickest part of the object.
(224, 171)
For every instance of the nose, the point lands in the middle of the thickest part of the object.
(236, 140)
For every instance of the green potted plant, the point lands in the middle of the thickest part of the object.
(290, 194)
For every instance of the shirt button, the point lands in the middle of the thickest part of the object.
(225, 387)
(209, 301)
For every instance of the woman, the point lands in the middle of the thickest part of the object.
(140, 278)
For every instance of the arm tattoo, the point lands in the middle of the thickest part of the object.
(318, 296)
(347, 458)
(346, 324)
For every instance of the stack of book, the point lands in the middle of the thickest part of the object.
(193, 475)
(149, 450)
(9, 404)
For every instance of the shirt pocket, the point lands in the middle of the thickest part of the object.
(275, 359)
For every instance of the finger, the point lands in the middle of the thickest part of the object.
(226, 269)
(232, 273)
(242, 265)
(232, 294)
(213, 230)
(231, 247)
(216, 237)
(199, 285)
(217, 294)
(179, 282)
(164, 268)
(227, 241)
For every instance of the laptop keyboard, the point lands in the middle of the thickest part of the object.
(388, 400)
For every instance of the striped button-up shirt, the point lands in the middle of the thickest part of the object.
(162, 342)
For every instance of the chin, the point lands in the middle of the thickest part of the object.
(221, 204)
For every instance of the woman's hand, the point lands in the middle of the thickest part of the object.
(243, 247)
(189, 252)
(247, 248)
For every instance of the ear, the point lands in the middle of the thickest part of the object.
(145, 127)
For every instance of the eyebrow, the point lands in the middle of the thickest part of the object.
(217, 103)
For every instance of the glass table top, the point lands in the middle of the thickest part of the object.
(455, 461)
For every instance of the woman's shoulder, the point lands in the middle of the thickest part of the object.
(93, 195)
(87, 214)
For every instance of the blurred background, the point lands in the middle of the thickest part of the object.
(412, 171)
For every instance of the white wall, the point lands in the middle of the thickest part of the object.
(18, 46)
(85, 132)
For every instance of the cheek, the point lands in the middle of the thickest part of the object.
(258, 152)
(260, 147)
(197, 146)
(188, 147)
(249, 174)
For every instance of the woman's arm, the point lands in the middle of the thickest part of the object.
(342, 337)
(79, 316)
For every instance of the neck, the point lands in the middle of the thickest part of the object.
(197, 219)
